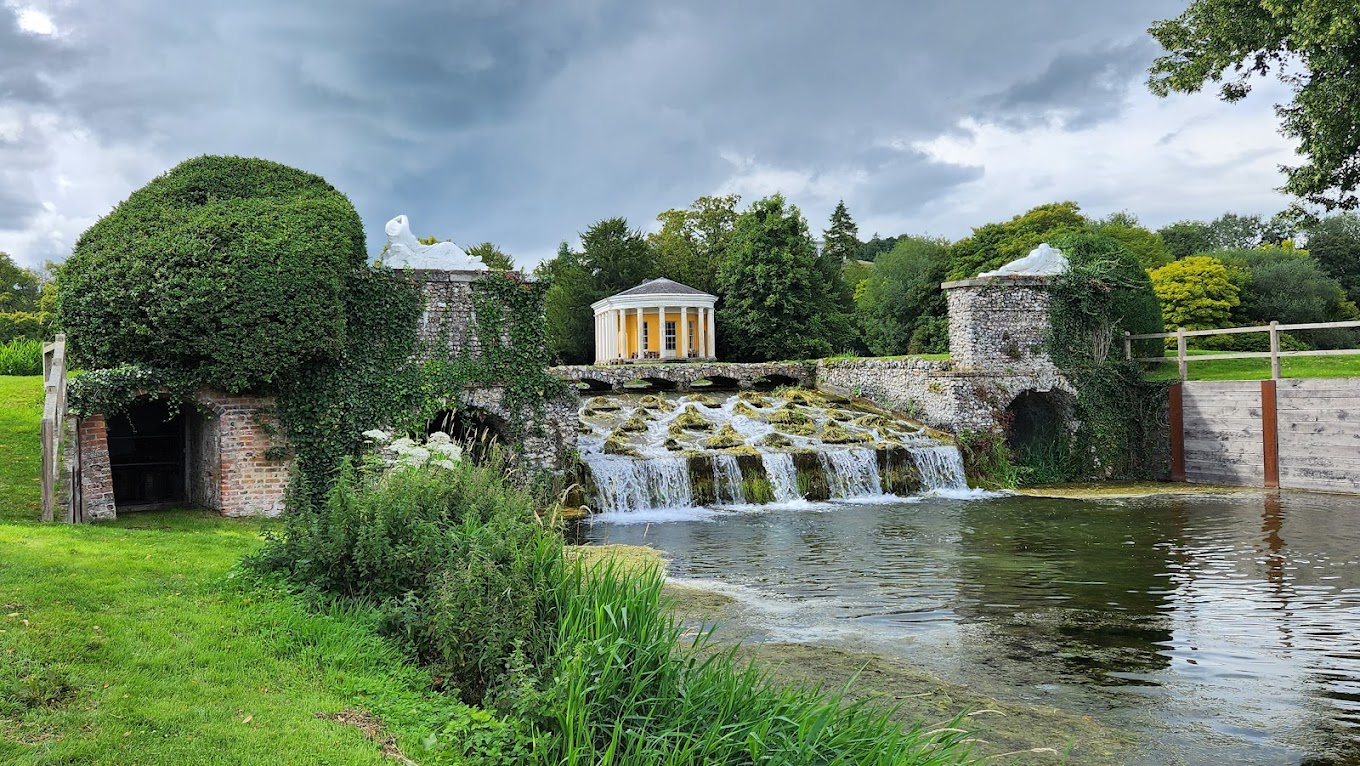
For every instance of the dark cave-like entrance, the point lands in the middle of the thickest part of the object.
(478, 432)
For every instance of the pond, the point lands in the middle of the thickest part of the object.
(1207, 628)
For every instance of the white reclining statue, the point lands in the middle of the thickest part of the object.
(1042, 261)
(404, 251)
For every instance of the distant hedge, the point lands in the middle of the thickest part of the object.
(230, 269)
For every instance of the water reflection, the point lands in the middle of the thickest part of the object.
(1215, 627)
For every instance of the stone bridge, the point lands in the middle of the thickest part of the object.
(682, 376)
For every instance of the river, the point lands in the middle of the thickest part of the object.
(1207, 628)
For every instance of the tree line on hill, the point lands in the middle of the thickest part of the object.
(784, 297)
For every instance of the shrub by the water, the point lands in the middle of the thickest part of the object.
(227, 268)
(21, 357)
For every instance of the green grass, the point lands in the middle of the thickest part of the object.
(21, 357)
(1340, 366)
(128, 642)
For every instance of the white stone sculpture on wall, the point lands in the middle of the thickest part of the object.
(405, 251)
(1042, 261)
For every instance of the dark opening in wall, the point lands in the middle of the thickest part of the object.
(147, 456)
(477, 431)
(1036, 421)
(771, 382)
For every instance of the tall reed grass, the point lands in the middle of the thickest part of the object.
(21, 357)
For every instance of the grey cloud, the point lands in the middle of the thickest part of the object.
(1084, 87)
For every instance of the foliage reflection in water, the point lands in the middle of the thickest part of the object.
(1209, 626)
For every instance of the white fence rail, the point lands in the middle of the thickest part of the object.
(1274, 354)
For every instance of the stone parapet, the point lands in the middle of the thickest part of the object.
(999, 323)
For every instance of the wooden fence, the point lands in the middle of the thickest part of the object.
(53, 423)
(1274, 354)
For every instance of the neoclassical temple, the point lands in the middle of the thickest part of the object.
(657, 320)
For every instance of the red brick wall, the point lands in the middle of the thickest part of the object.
(96, 479)
(250, 482)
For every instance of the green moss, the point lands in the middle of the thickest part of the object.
(743, 451)
(835, 434)
(807, 428)
(789, 414)
(877, 421)
(602, 404)
(672, 444)
(841, 415)
(804, 396)
(703, 399)
(691, 420)
(634, 424)
(616, 445)
(726, 438)
(745, 410)
(812, 482)
(754, 398)
(654, 402)
(775, 440)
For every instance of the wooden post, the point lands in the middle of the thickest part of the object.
(1177, 434)
(1128, 346)
(1270, 434)
(1180, 353)
(1274, 350)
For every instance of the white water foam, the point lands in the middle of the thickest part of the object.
(941, 469)
(727, 480)
(851, 473)
(783, 477)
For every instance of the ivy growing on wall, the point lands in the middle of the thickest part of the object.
(1104, 294)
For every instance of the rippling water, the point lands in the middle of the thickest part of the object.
(1210, 628)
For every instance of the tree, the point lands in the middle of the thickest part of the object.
(875, 247)
(19, 287)
(778, 301)
(1334, 242)
(1231, 231)
(1186, 238)
(1145, 245)
(841, 240)
(616, 256)
(232, 270)
(900, 307)
(566, 307)
(492, 257)
(996, 244)
(1311, 46)
(1286, 285)
(1197, 293)
(692, 244)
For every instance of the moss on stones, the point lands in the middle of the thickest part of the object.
(833, 433)
(775, 440)
(726, 438)
(691, 420)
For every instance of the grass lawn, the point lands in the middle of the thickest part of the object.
(130, 642)
(1340, 366)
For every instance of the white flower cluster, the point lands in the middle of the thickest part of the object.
(438, 450)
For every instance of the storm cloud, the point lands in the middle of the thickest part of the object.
(523, 122)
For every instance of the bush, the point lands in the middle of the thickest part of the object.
(997, 244)
(21, 357)
(457, 561)
(227, 268)
(1197, 293)
(24, 325)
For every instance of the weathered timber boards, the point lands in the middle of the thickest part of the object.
(1319, 434)
(1221, 432)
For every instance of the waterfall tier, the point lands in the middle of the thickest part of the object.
(654, 452)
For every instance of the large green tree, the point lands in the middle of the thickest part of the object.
(612, 259)
(1286, 285)
(996, 244)
(1186, 238)
(900, 307)
(692, 243)
(778, 299)
(1311, 45)
(841, 239)
(1334, 242)
(19, 287)
(1147, 246)
(492, 257)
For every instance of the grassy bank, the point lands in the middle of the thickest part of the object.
(1340, 366)
(21, 400)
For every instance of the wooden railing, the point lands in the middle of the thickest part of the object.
(53, 422)
(1274, 354)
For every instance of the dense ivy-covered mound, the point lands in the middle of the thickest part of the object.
(230, 269)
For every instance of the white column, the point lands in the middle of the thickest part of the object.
(682, 329)
(641, 352)
(618, 333)
(712, 335)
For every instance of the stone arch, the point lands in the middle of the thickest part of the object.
(722, 383)
(479, 431)
(773, 381)
(660, 384)
(1037, 420)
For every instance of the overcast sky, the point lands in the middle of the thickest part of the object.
(524, 122)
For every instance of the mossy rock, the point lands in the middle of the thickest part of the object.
(634, 424)
(602, 404)
(584, 429)
(775, 440)
(898, 472)
(877, 421)
(726, 438)
(754, 398)
(691, 420)
(812, 483)
(642, 413)
(835, 434)
(704, 399)
(743, 451)
(673, 444)
(745, 410)
(841, 416)
(615, 445)
(790, 415)
(654, 402)
(805, 396)
(807, 428)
